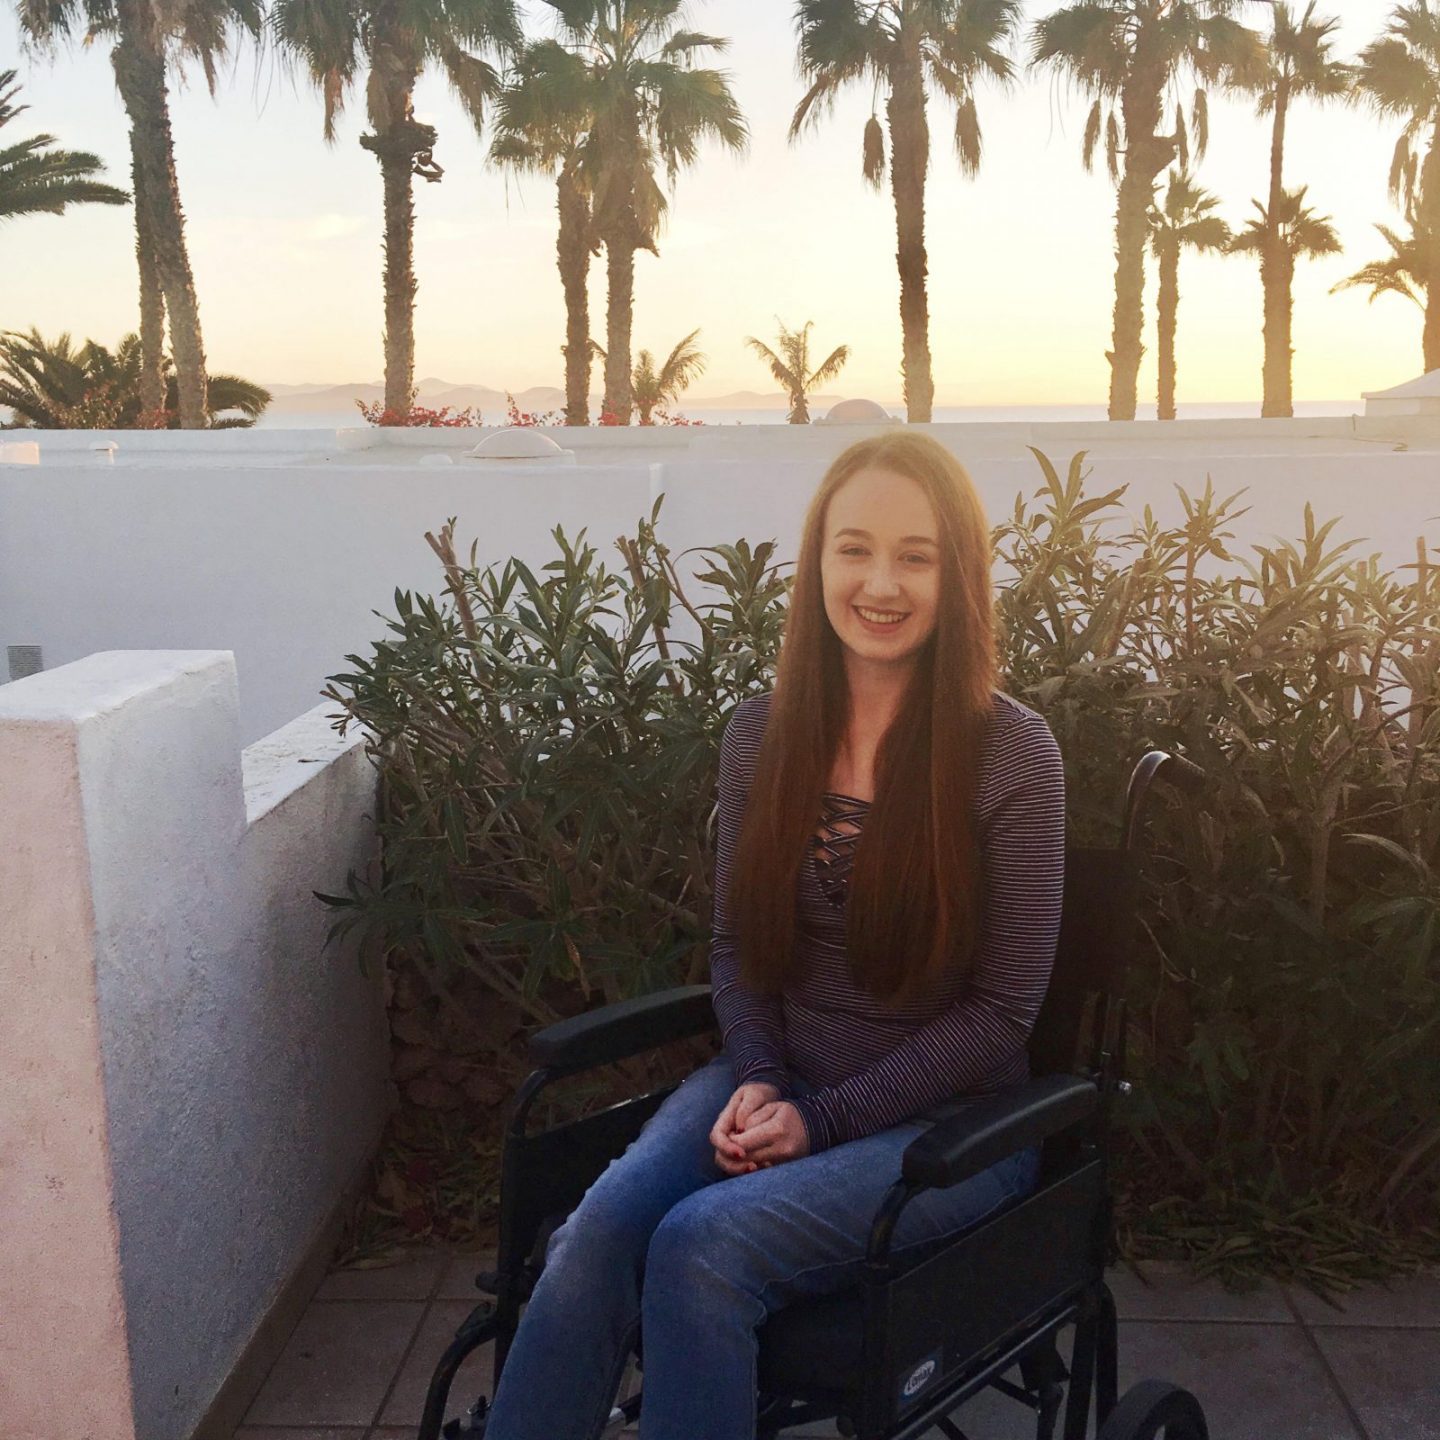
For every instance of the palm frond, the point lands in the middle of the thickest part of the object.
(784, 376)
(1093, 123)
(683, 365)
(872, 152)
(829, 368)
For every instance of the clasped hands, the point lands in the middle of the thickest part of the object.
(757, 1129)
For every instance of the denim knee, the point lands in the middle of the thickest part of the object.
(598, 1237)
(696, 1244)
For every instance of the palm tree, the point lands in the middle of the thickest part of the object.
(650, 106)
(1294, 232)
(541, 120)
(651, 387)
(55, 385)
(1298, 64)
(900, 46)
(791, 367)
(1129, 54)
(146, 34)
(1183, 222)
(1406, 271)
(1401, 74)
(38, 180)
(395, 40)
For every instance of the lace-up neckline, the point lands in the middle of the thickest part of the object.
(833, 850)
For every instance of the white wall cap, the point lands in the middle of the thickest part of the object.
(287, 759)
(857, 412)
(520, 442)
(102, 682)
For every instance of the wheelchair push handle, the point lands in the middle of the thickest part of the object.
(1175, 770)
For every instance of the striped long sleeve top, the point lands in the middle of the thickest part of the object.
(874, 1066)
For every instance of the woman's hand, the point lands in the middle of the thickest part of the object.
(739, 1111)
(774, 1134)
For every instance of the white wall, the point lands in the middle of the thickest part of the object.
(281, 551)
(192, 1082)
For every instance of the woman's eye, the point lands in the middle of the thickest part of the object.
(860, 550)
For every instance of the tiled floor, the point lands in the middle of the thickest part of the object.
(1275, 1364)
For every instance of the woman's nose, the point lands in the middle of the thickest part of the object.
(882, 583)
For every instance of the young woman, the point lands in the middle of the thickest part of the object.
(887, 901)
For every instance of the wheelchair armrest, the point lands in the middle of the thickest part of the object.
(984, 1134)
(625, 1028)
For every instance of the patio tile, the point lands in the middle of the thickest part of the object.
(1255, 1382)
(1172, 1293)
(289, 1432)
(458, 1282)
(1413, 1300)
(1392, 1378)
(337, 1364)
(407, 1400)
(412, 1278)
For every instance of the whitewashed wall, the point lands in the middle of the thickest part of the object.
(279, 545)
(191, 1081)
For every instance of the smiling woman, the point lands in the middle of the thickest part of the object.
(850, 1004)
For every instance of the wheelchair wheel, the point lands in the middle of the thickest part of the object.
(1155, 1408)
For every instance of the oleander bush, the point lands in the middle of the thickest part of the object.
(548, 746)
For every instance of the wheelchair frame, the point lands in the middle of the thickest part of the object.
(1026, 1271)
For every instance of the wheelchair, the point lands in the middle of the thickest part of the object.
(893, 1357)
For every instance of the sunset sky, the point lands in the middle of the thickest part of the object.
(284, 234)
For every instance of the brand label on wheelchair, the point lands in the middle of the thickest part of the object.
(917, 1377)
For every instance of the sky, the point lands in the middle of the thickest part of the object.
(284, 234)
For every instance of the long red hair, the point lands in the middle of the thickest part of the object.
(914, 884)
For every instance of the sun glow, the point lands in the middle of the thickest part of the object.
(285, 237)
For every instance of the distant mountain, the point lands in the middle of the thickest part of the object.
(304, 399)
(433, 392)
(753, 400)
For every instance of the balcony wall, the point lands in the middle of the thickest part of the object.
(280, 545)
(192, 1081)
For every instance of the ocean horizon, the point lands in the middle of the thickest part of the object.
(944, 414)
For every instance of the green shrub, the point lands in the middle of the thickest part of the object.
(548, 750)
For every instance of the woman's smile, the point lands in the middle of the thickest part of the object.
(879, 622)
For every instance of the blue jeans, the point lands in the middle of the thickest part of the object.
(659, 1242)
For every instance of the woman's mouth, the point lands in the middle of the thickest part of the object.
(880, 622)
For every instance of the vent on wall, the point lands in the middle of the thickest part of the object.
(24, 660)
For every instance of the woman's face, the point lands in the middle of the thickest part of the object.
(880, 559)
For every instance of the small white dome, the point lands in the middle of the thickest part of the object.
(435, 457)
(517, 442)
(858, 412)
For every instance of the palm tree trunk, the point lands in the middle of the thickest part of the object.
(1168, 308)
(572, 254)
(1429, 227)
(1146, 155)
(909, 156)
(396, 149)
(152, 299)
(1274, 268)
(619, 314)
(799, 410)
(1278, 270)
(140, 77)
(399, 279)
(1126, 346)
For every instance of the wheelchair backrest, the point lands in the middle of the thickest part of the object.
(1097, 930)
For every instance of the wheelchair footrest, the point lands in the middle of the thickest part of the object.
(470, 1425)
